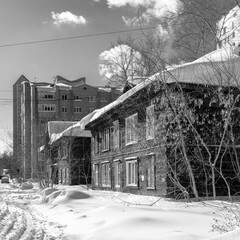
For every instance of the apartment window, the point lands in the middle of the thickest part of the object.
(91, 110)
(77, 109)
(49, 96)
(151, 171)
(46, 107)
(105, 139)
(96, 173)
(116, 134)
(233, 35)
(64, 97)
(117, 173)
(106, 175)
(92, 98)
(232, 25)
(64, 109)
(131, 172)
(150, 122)
(76, 97)
(131, 129)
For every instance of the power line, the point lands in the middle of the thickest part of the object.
(75, 37)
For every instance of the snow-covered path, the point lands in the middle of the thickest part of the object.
(19, 220)
(74, 213)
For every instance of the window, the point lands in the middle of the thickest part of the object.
(131, 172)
(77, 109)
(131, 176)
(64, 97)
(232, 25)
(117, 173)
(105, 139)
(92, 98)
(233, 35)
(131, 129)
(91, 110)
(106, 175)
(150, 122)
(96, 172)
(116, 134)
(76, 97)
(151, 171)
(46, 107)
(64, 109)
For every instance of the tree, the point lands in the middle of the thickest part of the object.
(194, 27)
(132, 61)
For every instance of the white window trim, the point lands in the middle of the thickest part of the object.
(150, 129)
(116, 135)
(151, 172)
(108, 174)
(132, 129)
(117, 162)
(128, 162)
(105, 140)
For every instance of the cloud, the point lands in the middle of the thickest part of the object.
(67, 18)
(151, 8)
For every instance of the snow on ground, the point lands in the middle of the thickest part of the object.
(72, 213)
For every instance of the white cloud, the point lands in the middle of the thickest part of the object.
(153, 8)
(67, 18)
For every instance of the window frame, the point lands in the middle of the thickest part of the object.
(64, 109)
(77, 109)
(106, 180)
(151, 171)
(105, 137)
(131, 172)
(150, 122)
(130, 129)
(116, 135)
(96, 173)
(46, 108)
(117, 173)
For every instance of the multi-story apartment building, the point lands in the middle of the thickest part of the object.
(36, 103)
(228, 29)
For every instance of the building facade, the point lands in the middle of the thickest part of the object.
(169, 135)
(228, 29)
(37, 103)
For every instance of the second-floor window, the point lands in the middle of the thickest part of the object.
(116, 134)
(131, 129)
(150, 122)
(105, 139)
(64, 109)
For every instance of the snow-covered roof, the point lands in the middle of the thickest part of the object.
(105, 89)
(62, 85)
(74, 130)
(55, 127)
(205, 70)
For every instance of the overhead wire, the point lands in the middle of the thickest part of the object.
(76, 37)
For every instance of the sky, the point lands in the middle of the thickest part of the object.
(90, 21)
